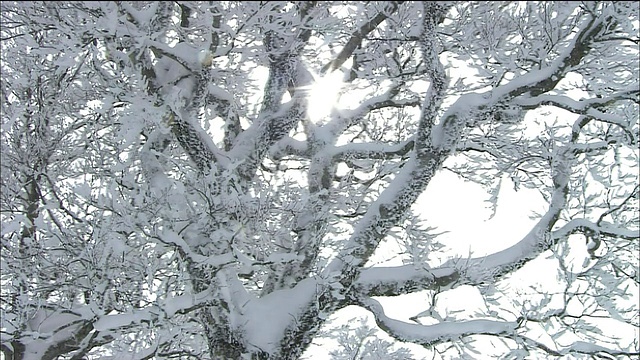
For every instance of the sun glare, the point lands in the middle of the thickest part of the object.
(323, 95)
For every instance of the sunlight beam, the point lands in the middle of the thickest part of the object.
(324, 95)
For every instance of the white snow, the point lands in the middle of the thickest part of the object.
(398, 274)
(48, 328)
(371, 218)
(446, 330)
(268, 317)
(220, 93)
(173, 304)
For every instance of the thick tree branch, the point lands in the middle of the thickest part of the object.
(539, 239)
(405, 188)
(71, 343)
(283, 57)
(426, 143)
(547, 78)
(289, 146)
(181, 304)
(276, 120)
(194, 143)
(310, 223)
(372, 150)
(428, 335)
(487, 268)
(444, 136)
(57, 331)
(383, 214)
(582, 107)
(160, 49)
(394, 281)
(254, 143)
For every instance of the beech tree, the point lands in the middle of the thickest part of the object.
(172, 187)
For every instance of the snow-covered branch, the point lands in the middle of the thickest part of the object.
(604, 228)
(178, 54)
(428, 335)
(478, 270)
(410, 181)
(253, 144)
(428, 140)
(278, 318)
(197, 143)
(398, 280)
(275, 120)
(382, 214)
(343, 119)
(535, 82)
(540, 81)
(168, 307)
(311, 222)
(583, 106)
(289, 146)
(52, 333)
(372, 150)
(356, 38)
(588, 107)
(577, 347)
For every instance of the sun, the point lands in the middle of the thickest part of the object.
(324, 95)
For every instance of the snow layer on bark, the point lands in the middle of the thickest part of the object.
(266, 319)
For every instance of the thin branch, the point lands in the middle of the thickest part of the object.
(586, 226)
(632, 195)
(356, 38)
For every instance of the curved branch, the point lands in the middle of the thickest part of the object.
(535, 242)
(534, 83)
(428, 335)
(582, 107)
(547, 78)
(603, 228)
(159, 48)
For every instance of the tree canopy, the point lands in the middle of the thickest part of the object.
(214, 180)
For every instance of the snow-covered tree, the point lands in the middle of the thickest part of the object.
(177, 184)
